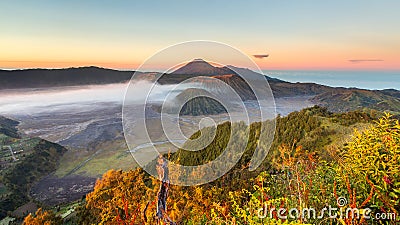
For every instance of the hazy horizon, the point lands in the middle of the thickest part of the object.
(363, 79)
(304, 35)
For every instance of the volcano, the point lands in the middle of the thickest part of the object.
(197, 104)
(199, 67)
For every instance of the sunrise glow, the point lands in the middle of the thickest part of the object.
(310, 35)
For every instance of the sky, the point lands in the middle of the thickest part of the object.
(309, 35)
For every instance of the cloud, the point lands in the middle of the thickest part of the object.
(30, 100)
(45, 100)
(261, 56)
(365, 60)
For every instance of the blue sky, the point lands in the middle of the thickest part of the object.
(297, 34)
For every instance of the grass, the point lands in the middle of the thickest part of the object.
(118, 159)
(107, 155)
(70, 160)
(342, 133)
(110, 155)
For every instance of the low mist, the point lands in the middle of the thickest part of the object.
(32, 101)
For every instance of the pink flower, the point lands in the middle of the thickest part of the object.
(387, 180)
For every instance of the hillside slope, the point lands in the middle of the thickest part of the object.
(199, 67)
(198, 103)
(342, 100)
(312, 128)
(46, 78)
(23, 162)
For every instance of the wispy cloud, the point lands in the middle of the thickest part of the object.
(365, 60)
(261, 56)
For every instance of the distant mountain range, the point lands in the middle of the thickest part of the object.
(343, 100)
(45, 78)
(335, 99)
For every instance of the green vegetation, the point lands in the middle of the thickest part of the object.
(195, 103)
(88, 163)
(7, 129)
(24, 161)
(373, 159)
(344, 100)
(312, 128)
(18, 178)
(316, 158)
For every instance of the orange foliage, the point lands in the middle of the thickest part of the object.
(42, 217)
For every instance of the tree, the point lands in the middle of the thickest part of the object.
(372, 160)
(118, 198)
(42, 217)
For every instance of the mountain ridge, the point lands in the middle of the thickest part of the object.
(335, 98)
(75, 76)
(200, 67)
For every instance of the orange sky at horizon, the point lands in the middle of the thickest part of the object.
(270, 63)
(301, 35)
(287, 55)
(283, 55)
